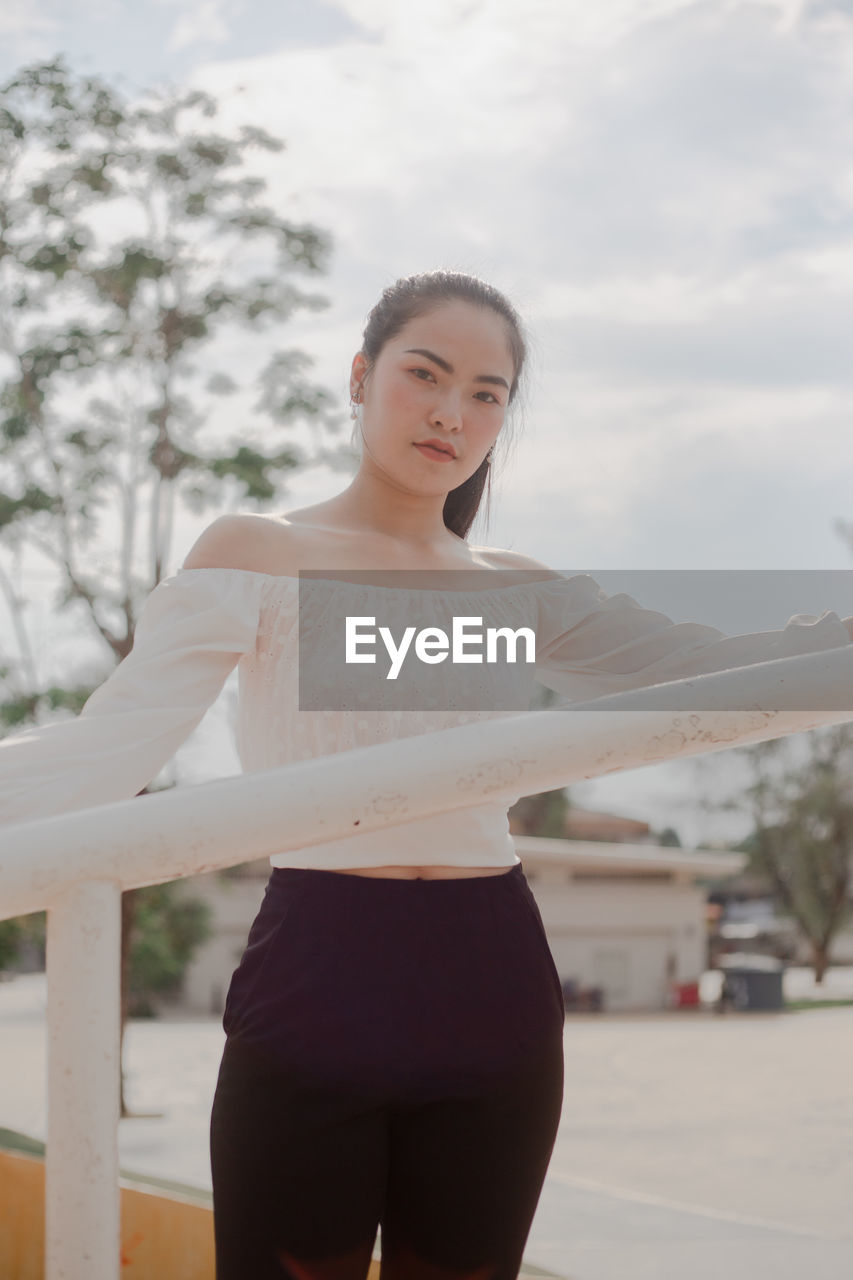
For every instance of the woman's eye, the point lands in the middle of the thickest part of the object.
(428, 372)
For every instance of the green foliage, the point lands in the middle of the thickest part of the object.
(19, 710)
(137, 246)
(168, 928)
(206, 252)
(136, 242)
(19, 932)
(802, 841)
(669, 838)
(10, 942)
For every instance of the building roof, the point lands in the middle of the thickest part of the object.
(593, 824)
(620, 856)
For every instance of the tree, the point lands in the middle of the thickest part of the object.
(168, 927)
(23, 938)
(11, 932)
(135, 246)
(132, 246)
(669, 838)
(162, 927)
(802, 840)
(542, 814)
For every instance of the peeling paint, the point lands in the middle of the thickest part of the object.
(396, 802)
(492, 776)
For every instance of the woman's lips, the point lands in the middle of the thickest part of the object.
(428, 452)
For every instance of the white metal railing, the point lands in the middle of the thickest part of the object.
(77, 864)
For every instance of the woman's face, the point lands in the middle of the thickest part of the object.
(457, 394)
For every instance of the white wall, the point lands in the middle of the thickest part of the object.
(618, 933)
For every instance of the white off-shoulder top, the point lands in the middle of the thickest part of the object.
(198, 624)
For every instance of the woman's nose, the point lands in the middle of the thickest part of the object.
(448, 411)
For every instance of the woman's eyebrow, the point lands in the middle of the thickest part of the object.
(448, 367)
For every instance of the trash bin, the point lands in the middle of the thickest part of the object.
(752, 981)
(685, 995)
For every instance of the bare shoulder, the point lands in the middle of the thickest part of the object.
(239, 540)
(502, 559)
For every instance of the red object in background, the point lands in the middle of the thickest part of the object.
(686, 995)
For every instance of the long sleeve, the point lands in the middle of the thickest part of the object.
(191, 632)
(590, 644)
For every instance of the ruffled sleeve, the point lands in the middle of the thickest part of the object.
(191, 632)
(590, 644)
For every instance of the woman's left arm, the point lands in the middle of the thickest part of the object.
(590, 644)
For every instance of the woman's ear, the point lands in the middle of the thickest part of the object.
(357, 373)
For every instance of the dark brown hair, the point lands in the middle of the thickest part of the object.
(416, 295)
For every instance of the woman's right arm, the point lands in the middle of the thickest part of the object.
(192, 630)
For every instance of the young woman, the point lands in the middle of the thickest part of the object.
(408, 986)
(394, 1051)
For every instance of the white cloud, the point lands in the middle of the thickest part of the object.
(25, 22)
(662, 189)
(200, 22)
(658, 188)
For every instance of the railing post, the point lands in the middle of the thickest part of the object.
(83, 1098)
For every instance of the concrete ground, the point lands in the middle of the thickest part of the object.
(691, 1146)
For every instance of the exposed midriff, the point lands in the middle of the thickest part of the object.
(422, 873)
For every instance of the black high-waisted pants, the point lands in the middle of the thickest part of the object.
(394, 1059)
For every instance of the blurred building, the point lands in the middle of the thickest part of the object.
(629, 918)
(590, 824)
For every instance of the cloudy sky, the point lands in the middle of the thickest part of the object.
(663, 188)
